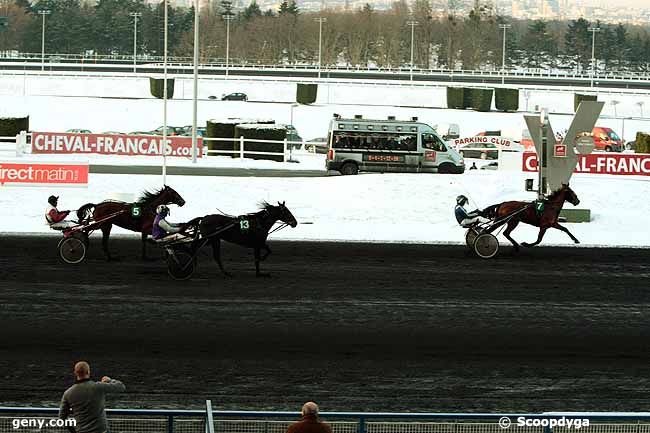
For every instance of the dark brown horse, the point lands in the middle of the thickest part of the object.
(137, 216)
(528, 214)
(249, 230)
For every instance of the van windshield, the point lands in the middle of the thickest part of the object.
(613, 135)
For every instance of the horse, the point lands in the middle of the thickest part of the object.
(250, 230)
(527, 213)
(137, 216)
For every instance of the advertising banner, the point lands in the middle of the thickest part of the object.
(634, 164)
(34, 174)
(112, 144)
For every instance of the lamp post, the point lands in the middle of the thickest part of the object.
(228, 16)
(541, 160)
(615, 103)
(320, 22)
(42, 13)
(593, 31)
(640, 104)
(412, 23)
(135, 16)
(504, 27)
(195, 94)
(164, 146)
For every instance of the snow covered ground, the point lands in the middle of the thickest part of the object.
(368, 207)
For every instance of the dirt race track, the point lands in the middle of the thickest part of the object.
(352, 326)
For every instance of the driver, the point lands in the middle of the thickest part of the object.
(162, 230)
(464, 218)
(54, 217)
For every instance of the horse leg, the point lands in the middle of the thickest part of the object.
(257, 264)
(106, 232)
(565, 230)
(144, 246)
(267, 252)
(540, 236)
(511, 226)
(216, 254)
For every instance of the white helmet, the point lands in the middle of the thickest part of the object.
(162, 209)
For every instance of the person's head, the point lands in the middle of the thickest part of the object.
(461, 200)
(162, 210)
(310, 409)
(81, 370)
(53, 200)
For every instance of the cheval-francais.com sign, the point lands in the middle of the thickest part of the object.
(602, 163)
(112, 144)
(34, 174)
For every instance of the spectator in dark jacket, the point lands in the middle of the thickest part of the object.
(85, 400)
(310, 422)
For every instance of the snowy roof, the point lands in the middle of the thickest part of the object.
(261, 126)
(237, 120)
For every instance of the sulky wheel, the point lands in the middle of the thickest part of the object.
(470, 237)
(180, 264)
(486, 245)
(82, 236)
(72, 250)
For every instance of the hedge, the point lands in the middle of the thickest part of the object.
(642, 143)
(506, 99)
(306, 93)
(262, 132)
(157, 87)
(226, 129)
(455, 98)
(11, 126)
(481, 99)
(578, 97)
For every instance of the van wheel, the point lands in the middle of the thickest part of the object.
(608, 148)
(445, 168)
(349, 168)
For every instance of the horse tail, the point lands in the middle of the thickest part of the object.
(491, 211)
(85, 212)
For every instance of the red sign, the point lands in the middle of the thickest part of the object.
(43, 174)
(429, 155)
(602, 163)
(559, 150)
(113, 144)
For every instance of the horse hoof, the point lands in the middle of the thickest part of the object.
(526, 244)
(227, 274)
(260, 275)
(576, 241)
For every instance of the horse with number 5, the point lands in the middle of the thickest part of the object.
(250, 230)
(137, 216)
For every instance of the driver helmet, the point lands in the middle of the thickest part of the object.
(461, 200)
(53, 200)
(163, 210)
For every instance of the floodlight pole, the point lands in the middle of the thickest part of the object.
(320, 22)
(195, 94)
(135, 16)
(228, 17)
(412, 23)
(503, 54)
(164, 146)
(42, 13)
(593, 31)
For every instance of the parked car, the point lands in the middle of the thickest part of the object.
(317, 145)
(491, 166)
(79, 131)
(186, 131)
(479, 150)
(448, 131)
(292, 135)
(171, 130)
(630, 145)
(606, 139)
(235, 97)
